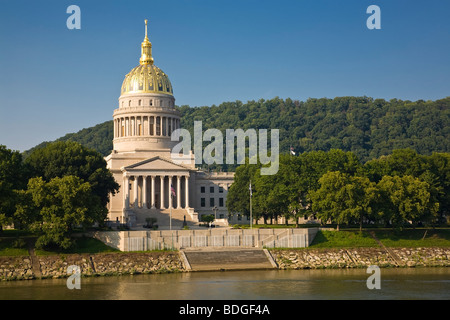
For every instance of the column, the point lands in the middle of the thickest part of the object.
(170, 192)
(162, 192)
(153, 193)
(136, 191)
(178, 192)
(144, 192)
(126, 192)
(186, 179)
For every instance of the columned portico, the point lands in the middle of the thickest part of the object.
(144, 193)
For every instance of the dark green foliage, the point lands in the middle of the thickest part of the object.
(368, 127)
(59, 159)
(12, 177)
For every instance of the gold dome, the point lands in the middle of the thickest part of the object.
(146, 77)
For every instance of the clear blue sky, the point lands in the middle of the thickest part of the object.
(55, 81)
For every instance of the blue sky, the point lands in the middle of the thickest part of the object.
(55, 81)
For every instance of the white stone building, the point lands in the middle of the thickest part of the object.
(151, 183)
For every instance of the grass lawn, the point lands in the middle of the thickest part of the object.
(343, 239)
(83, 245)
(411, 238)
(7, 248)
(414, 238)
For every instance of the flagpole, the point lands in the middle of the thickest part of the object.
(251, 216)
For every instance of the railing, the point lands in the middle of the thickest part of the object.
(159, 240)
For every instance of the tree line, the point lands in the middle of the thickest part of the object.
(56, 189)
(370, 128)
(403, 188)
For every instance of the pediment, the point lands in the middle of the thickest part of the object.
(156, 164)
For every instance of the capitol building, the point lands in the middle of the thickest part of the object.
(152, 185)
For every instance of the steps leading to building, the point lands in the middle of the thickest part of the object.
(227, 259)
(179, 216)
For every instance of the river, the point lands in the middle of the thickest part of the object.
(404, 284)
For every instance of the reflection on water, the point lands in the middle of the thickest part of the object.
(419, 283)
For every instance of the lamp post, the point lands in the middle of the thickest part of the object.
(215, 212)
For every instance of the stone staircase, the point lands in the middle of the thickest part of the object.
(179, 216)
(228, 259)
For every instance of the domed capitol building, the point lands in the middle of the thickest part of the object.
(152, 185)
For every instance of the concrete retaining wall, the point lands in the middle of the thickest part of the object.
(176, 239)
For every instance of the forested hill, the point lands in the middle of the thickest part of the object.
(368, 127)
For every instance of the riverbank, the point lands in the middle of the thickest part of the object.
(116, 264)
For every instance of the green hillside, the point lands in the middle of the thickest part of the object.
(368, 127)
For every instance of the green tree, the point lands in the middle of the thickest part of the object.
(406, 199)
(342, 198)
(62, 204)
(12, 178)
(238, 196)
(68, 158)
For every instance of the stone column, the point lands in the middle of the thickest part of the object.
(186, 179)
(153, 193)
(170, 192)
(126, 192)
(162, 192)
(178, 192)
(136, 191)
(144, 192)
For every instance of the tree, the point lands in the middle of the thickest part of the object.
(62, 204)
(12, 178)
(238, 197)
(67, 158)
(406, 199)
(342, 198)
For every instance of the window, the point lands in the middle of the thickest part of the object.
(220, 189)
(129, 103)
(158, 126)
(152, 120)
(211, 189)
(220, 202)
(170, 127)
(151, 102)
(211, 202)
(164, 126)
(140, 102)
(202, 189)
(202, 202)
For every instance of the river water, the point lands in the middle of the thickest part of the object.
(404, 284)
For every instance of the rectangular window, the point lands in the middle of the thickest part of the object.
(202, 202)
(211, 189)
(158, 126)
(164, 126)
(220, 189)
(202, 189)
(211, 202)
(169, 131)
(152, 122)
(220, 202)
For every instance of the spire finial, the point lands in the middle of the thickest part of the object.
(146, 49)
(146, 27)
